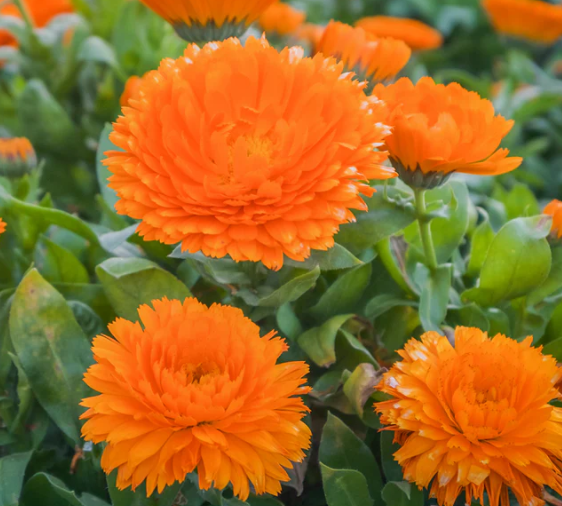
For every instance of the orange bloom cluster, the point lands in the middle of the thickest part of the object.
(41, 12)
(133, 88)
(282, 19)
(196, 387)
(536, 21)
(207, 20)
(370, 58)
(416, 34)
(438, 130)
(246, 151)
(2, 226)
(17, 156)
(476, 417)
(554, 209)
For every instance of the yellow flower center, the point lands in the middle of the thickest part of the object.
(260, 146)
(200, 373)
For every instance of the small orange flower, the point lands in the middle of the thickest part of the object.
(2, 226)
(416, 34)
(554, 209)
(438, 130)
(476, 417)
(311, 34)
(246, 151)
(536, 21)
(209, 20)
(196, 388)
(17, 157)
(132, 89)
(370, 58)
(282, 19)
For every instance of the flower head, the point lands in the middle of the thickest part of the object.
(416, 34)
(282, 19)
(209, 20)
(532, 20)
(2, 226)
(196, 387)
(369, 57)
(438, 130)
(17, 157)
(247, 151)
(554, 209)
(476, 417)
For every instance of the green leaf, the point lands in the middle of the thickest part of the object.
(25, 396)
(519, 202)
(59, 265)
(360, 386)
(52, 350)
(350, 352)
(319, 343)
(553, 282)
(435, 298)
(109, 195)
(469, 316)
(391, 468)
(345, 487)
(385, 302)
(335, 258)
(131, 282)
(554, 348)
(288, 322)
(402, 493)
(95, 49)
(12, 471)
(518, 261)
(479, 246)
(345, 294)
(340, 448)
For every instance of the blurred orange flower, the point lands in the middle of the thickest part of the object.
(209, 20)
(311, 34)
(536, 21)
(438, 130)
(246, 151)
(282, 19)
(416, 34)
(41, 12)
(196, 387)
(2, 226)
(17, 156)
(554, 209)
(370, 58)
(476, 417)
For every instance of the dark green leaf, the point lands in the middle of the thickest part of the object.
(138, 498)
(288, 322)
(59, 265)
(12, 471)
(319, 343)
(383, 303)
(435, 297)
(554, 348)
(335, 258)
(402, 493)
(345, 487)
(391, 468)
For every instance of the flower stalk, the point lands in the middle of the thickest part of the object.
(424, 221)
(24, 14)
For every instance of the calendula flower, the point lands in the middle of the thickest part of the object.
(369, 57)
(416, 34)
(132, 89)
(311, 34)
(246, 151)
(196, 387)
(476, 417)
(438, 130)
(2, 226)
(17, 157)
(535, 21)
(282, 19)
(209, 20)
(554, 209)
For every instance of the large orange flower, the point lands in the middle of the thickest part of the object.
(438, 130)
(534, 20)
(476, 417)
(41, 12)
(209, 20)
(369, 57)
(554, 209)
(282, 19)
(416, 34)
(196, 387)
(2, 226)
(17, 156)
(247, 151)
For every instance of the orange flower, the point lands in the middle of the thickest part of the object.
(532, 20)
(209, 20)
(438, 130)
(132, 89)
(196, 387)
(416, 34)
(17, 157)
(281, 18)
(476, 417)
(41, 12)
(370, 58)
(2, 226)
(311, 34)
(554, 209)
(246, 151)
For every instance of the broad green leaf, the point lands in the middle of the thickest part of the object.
(402, 493)
(518, 261)
(95, 49)
(12, 471)
(554, 348)
(335, 258)
(345, 295)
(469, 316)
(391, 468)
(385, 302)
(109, 195)
(131, 282)
(52, 349)
(345, 487)
(340, 448)
(350, 352)
(519, 201)
(319, 343)
(435, 297)
(479, 246)
(553, 282)
(138, 498)
(360, 386)
(288, 322)
(59, 265)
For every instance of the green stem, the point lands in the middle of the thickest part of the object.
(384, 251)
(425, 229)
(24, 14)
